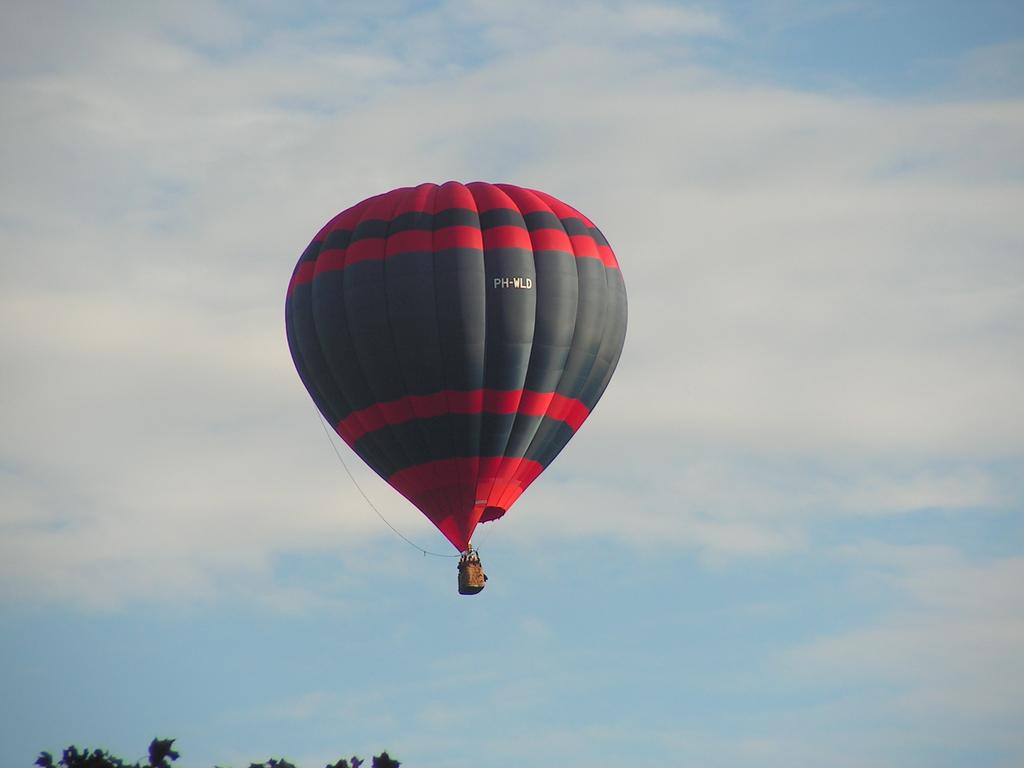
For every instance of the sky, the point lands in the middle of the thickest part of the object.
(790, 534)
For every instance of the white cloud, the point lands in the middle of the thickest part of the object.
(967, 488)
(992, 69)
(949, 654)
(535, 25)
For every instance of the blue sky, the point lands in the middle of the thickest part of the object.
(791, 533)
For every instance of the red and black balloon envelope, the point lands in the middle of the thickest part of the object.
(456, 337)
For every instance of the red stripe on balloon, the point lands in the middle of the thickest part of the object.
(367, 249)
(507, 237)
(379, 415)
(584, 246)
(410, 241)
(329, 260)
(554, 406)
(550, 240)
(458, 237)
(421, 241)
(573, 412)
(535, 403)
(502, 400)
(607, 256)
(303, 274)
(463, 401)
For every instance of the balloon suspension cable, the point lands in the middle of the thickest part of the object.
(323, 424)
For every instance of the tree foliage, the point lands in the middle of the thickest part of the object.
(162, 754)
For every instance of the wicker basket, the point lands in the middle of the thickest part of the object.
(471, 574)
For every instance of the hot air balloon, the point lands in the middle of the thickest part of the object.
(456, 337)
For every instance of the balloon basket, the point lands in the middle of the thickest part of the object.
(471, 573)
